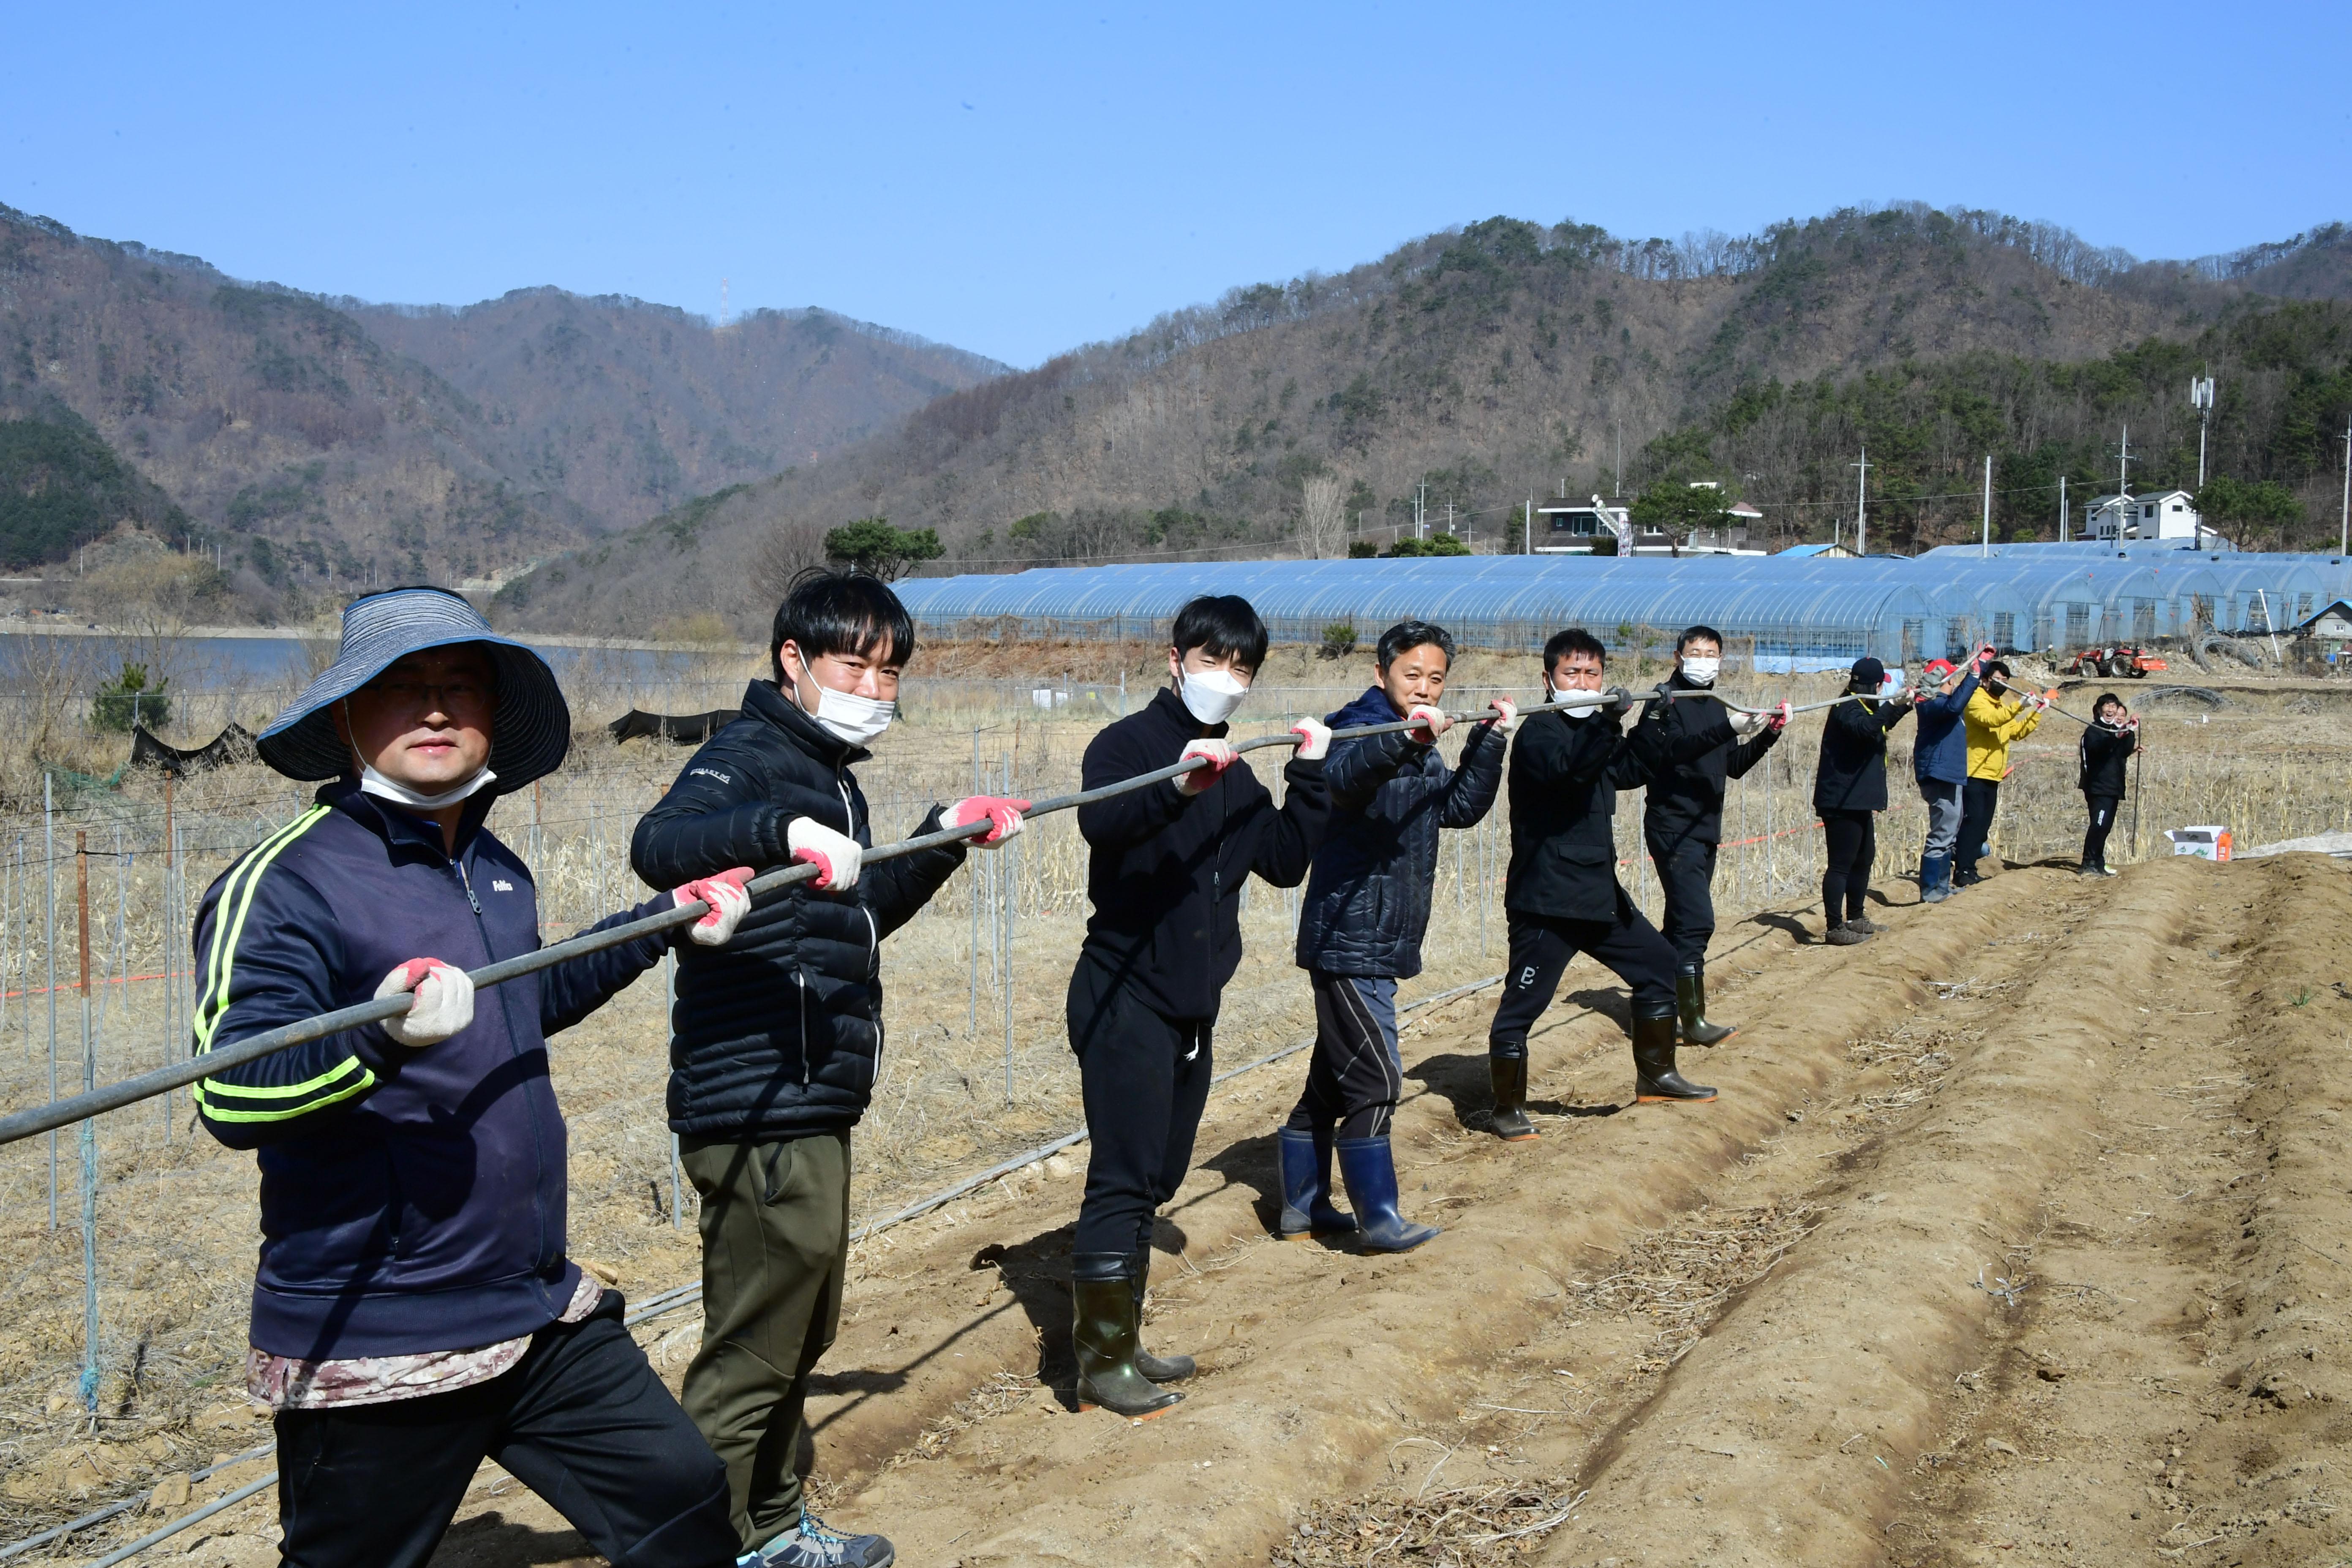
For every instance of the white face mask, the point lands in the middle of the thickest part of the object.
(1702, 671)
(1211, 695)
(847, 716)
(1587, 703)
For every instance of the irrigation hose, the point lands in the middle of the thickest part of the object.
(39, 1119)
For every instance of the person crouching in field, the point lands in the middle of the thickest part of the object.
(1850, 791)
(2108, 741)
(1166, 868)
(1682, 819)
(414, 1311)
(1562, 894)
(776, 1041)
(1997, 716)
(1360, 931)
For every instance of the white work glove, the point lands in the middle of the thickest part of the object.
(1506, 715)
(1433, 720)
(1220, 755)
(442, 1002)
(835, 856)
(1314, 740)
(1745, 724)
(727, 900)
(1003, 813)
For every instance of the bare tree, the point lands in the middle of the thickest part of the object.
(1322, 525)
(787, 549)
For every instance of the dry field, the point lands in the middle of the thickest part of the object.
(2008, 1240)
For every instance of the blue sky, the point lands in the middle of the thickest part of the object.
(1020, 180)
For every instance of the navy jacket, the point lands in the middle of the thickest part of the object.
(1166, 871)
(1368, 896)
(1685, 799)
(779, 1034)
(1565, 775)
(1939, 750)
(1851, 775)
(411, 1200)
(2102, 752)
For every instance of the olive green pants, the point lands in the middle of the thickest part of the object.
(775, 1239)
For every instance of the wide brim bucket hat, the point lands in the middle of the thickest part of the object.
(530, 730)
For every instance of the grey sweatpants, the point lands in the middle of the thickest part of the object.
(1943, 816)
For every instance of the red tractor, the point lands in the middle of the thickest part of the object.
(2116, 663)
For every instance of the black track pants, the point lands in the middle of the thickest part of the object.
(1144, 1078)
(1686, 878)
(1628, 947)
(1355, 1078)
(2103, 821)
(1845, 864)
(582, 1420)
(1980, 798)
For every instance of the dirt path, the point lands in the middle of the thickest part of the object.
(2018, 1234)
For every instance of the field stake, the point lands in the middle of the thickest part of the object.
(50, 955)
(89, 1139)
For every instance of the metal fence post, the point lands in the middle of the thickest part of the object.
(670, 1015)
(49, 948)
(89, 1139)
(1012, 897)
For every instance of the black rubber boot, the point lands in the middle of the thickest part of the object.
(1306, 1207)
(1654, 1078)
(1102, 1332)
(1690, 1003)
(1369, 1167)
(1510, 1080)
(1157, 1369)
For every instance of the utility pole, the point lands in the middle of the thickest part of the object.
(1620, 460)
(2061, 509)
(1986, 548)
(2343, 539)
(1420, 511)
(1527, 541)
(1862, 503)
(2200, 397)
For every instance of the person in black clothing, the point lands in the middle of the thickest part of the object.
(776, 1039)
(1849, 791)
(1165, 879)
(1682, 822)
(1561, 895)
(2107, 743)
(1359, 930)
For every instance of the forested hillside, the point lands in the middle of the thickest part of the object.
(321, 444)
(1475, 367)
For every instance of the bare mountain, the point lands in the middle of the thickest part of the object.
(1462, 372)
(318, 442)
(627, 409)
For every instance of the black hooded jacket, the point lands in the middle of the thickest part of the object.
(778, 1034)
(1166, 872)
(2104, 750)
(1564, 778)
(1851, 773)
(1686, 800)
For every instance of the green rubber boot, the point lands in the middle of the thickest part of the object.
(1102, 1332)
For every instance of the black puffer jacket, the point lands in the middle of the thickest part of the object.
(1368, 896)
(1165, 869)
(2104, 752)
(1685, 804)
(1851, 773)
(778, 1034)
(1565, 775)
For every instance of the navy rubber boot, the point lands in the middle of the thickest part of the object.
(1935, 879)
(1306, 1206)
(1369, 1168)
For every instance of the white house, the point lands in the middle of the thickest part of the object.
(2161, 514)
(1573, 528)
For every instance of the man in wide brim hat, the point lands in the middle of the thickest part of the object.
(414, 1308)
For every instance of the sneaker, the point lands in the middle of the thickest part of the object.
(1864, 924)
(2107, 872)
(811, 1545)
(1847, 935)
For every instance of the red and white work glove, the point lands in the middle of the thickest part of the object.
(1314, 738)
(1780, 718)
(835, 856)
(1432, 722)
(727, 900)
(442, 1002)
(1002, 812)
(1220, 757)
(1506, 715)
